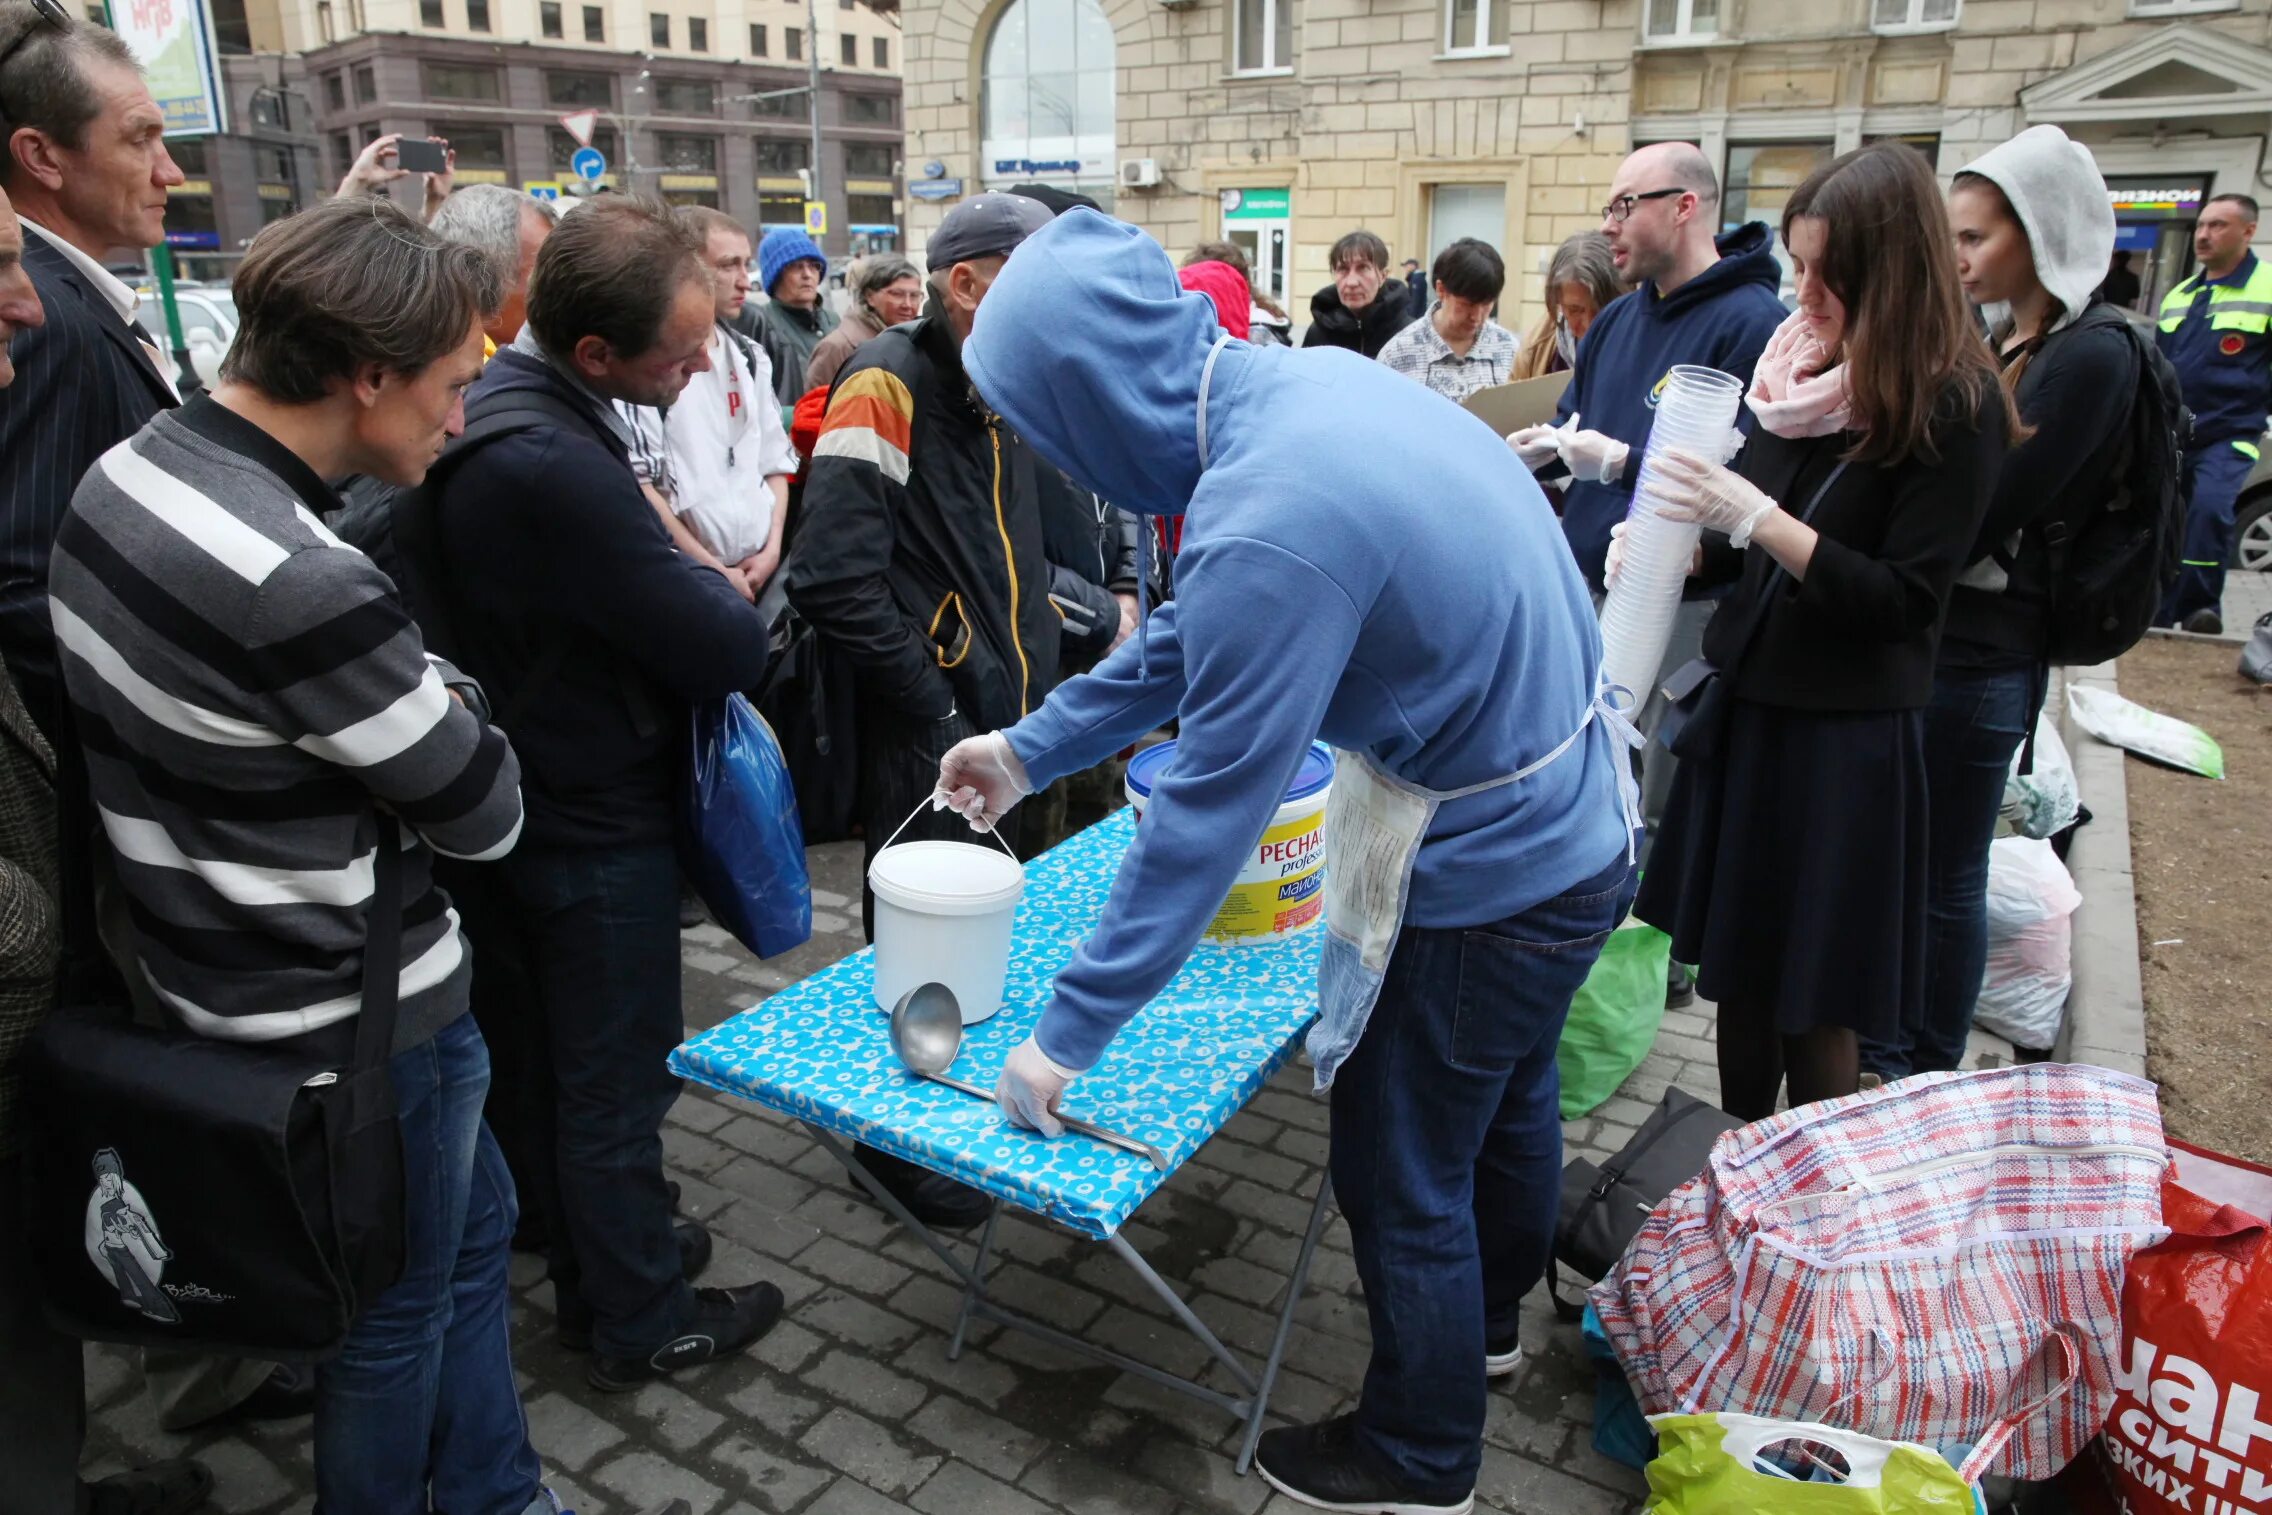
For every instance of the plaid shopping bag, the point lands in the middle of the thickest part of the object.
(1938, 1261)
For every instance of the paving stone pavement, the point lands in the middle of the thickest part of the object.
(850, 1406)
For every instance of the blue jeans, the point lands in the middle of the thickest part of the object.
(600, 927)
(1974, 724)
(2214, 475)
(420, 1410)
(1447, 1162)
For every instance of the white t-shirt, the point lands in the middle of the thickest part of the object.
(713, 450)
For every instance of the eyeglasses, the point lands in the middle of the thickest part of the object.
(50, 11)
(1620, 209)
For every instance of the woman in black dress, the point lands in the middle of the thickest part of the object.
(1791, 865)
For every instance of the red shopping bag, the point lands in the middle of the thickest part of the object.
(2191, 1432)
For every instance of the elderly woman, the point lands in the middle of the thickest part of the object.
(886, 290)
(1580, 280)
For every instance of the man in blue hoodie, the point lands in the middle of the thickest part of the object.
(1411, 608)
(1701, 299)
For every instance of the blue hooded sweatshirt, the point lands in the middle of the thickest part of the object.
(1721, 319)
(1409, 602)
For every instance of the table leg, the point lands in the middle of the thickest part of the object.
(974, 1290)
(1294, 1287)
(1183, 1312)
(843, 1153)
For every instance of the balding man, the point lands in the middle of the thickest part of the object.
(1701, 299)
(510, 225)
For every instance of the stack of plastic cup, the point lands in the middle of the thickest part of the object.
(1695, 414)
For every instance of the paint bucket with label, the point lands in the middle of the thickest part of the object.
(1280, 890)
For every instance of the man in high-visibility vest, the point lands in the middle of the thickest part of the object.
(2214, 329)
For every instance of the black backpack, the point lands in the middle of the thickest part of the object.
(2113, 563)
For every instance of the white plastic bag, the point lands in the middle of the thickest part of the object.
(2045, 802)
(2166, 739)
(2023, 993)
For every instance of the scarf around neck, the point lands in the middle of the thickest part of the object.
(1795, 390)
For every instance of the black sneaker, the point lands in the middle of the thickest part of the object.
(173, 1487)
(932, 1198)
(725, 1321)
(573, 1329)
(2205, 622)
(1323, 1467)
(1680, 987)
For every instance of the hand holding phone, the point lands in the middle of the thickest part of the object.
(420, 155)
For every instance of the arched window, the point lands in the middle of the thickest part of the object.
(1048, 98)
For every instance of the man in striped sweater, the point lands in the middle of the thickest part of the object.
(251, 695)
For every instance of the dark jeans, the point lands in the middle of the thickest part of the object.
(1447, 1162)
(420, 1410)
(511, 1017)
(601, 929)
(42, 1392)
(1973, 726)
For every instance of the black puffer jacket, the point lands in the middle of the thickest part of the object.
(920, 553)
(1365, 332)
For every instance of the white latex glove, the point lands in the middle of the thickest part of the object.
(980, 778)
(1616, 558)
(1710, 494)
(1030, 1087)
(1535, 446)
(1590, 455)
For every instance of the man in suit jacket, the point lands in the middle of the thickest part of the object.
(86, 167)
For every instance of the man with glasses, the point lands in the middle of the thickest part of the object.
(1701, 299)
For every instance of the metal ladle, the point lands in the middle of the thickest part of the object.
(926, 1033)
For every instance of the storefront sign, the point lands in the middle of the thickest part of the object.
(690, 181)
(2156, 203)
(173, 41)
(1257, 204)
(1034, 166)
(205, 239)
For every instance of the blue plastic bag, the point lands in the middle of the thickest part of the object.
(741, 843)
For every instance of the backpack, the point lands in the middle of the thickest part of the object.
(2112, 565)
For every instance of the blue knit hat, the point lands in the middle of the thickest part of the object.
(783, 246)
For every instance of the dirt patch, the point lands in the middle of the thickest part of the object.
(2202, 855)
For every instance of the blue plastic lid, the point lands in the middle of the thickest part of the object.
(1145, 768)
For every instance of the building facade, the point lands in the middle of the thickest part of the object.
(1281, 124)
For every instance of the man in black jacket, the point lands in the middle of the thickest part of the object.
(564, 588)
(921, 557)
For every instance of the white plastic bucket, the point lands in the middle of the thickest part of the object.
(1280, 890)
(943, 914)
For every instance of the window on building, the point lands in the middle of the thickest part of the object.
(595, 24)
(579, 89)
(326, 28)
(777, 207)
(848, 50)
(355, 16)
(1265, 37)
(686, 97)
(659, 29)
(96, 14)
(1047, 93)
(188, 154)
(272, 164)
(793, 42)
(477, 15)
(870, 110)
(1761, 176)
(1913, 15)
(845, 5)
(782, 155)
(462, 81)
(707, 197)
(2181, 7)
(268, 109)
(1681, 20)
(684, 154)
(366, 85)
(560, 147)
(335, 91)
(870, 210)
(697, 34)
(430, 14)
(189, 221)
(232, 28)
(779, 107)
(342, 154)
(481, 147)
(1475, 25)
(882, 52)
(757, 39)
(548, 18)
(869, 158)
(272, 210)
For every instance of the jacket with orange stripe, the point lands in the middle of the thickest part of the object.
(919, 548)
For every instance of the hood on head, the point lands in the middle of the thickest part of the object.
(1747, 256)
(2055, 190)
(1092, 351)
(1227, 287)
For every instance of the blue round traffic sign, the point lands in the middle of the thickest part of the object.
(588, 163)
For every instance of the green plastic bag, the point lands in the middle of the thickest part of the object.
(1613, 1021)
(1710, 1465)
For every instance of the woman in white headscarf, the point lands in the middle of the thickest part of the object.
(2033, 235)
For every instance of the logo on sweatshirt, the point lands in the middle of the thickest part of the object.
(2232, 345)
(1657, 390)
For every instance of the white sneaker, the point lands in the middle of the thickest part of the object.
(1500, 1364)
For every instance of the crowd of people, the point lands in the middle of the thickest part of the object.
(487, 498)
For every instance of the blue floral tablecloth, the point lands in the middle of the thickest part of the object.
(820, 1051)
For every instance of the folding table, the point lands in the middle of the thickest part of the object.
(819, 1051)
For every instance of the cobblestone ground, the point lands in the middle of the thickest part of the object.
(850, 1406)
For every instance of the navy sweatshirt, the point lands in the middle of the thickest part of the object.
(1720, 319)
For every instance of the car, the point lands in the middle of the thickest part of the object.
(2252, 515)
(208, 325)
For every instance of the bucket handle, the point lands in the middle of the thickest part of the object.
(984, 830)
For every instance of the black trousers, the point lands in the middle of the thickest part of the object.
(899, 772)
(43, 1392)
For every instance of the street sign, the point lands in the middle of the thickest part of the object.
(543, 189)
(581, 124)
(816, 217)
(935, 189)
(588, 164)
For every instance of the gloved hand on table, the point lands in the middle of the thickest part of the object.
(1030, 1087)
(1710, 494)
(980, 778)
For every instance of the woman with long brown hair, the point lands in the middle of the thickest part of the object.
(1791, 864)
